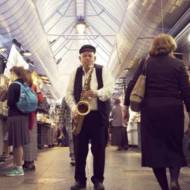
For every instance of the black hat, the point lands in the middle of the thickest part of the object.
(88, 48)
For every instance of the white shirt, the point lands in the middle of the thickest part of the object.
(103, 93)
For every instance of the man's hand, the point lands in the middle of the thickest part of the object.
(89, 94)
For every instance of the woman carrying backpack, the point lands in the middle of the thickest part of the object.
(18, 134)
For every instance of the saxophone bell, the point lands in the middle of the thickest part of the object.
(83, 107)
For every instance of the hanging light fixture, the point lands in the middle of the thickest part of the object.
(25, 53)
(81, 26)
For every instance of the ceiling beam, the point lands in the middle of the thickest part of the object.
(53, 14)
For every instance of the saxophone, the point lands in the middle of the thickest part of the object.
(83, 106)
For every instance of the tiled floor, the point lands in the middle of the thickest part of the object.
(123, 172)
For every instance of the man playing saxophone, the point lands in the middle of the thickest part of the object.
(93, 84)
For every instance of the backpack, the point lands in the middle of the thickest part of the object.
(28, 101)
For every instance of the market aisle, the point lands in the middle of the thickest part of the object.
(123, 172)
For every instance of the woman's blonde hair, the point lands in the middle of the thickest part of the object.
(163, 44)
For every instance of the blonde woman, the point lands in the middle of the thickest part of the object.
(30, 150)
(162, 115)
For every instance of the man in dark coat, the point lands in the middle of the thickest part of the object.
(95, 124)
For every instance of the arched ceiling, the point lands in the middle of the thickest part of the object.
(121, 31)
(103, 20)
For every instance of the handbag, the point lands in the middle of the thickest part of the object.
(138, 92)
